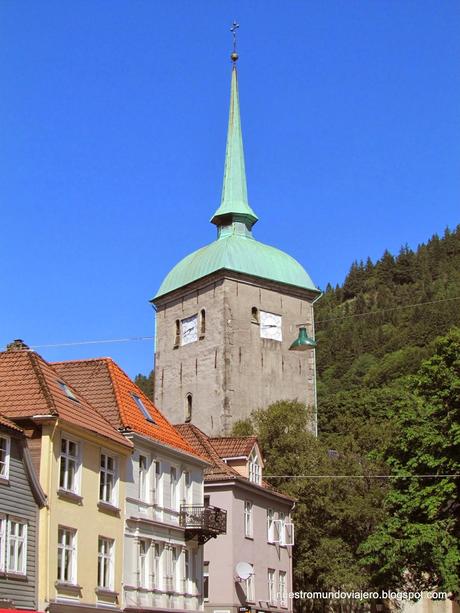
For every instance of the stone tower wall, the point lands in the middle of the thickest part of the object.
(231, 370)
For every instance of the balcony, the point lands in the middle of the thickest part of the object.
(205, 522)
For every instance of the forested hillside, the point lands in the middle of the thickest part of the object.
(370, 335)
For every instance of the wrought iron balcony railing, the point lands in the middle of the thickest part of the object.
(205, 522)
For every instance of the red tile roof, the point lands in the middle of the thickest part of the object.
(219, 470)
(104, 383)
(233, 446)
(29, 386)
(9, 424)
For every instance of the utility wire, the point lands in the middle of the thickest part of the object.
(132, 339)
(453, 476)
(396, 308)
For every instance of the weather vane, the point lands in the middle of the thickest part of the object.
(233, 30)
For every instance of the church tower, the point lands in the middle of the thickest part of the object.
(227, 314)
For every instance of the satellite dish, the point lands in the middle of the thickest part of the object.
(244, 570)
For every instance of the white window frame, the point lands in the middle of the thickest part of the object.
(2, 542)
(143, 478)
(113, 473)
(17, 542)
(249, 587)
(105, 557)
(282, 583)
(175, 568)
(67, 458)
(174, 501)
(280, 526)
(144, 563)
(187, 571)
(206, 576)
(158, 549)
(248, 519)
(5, 464)
(271, 584)
(255, 469)
(270, 526)
(70, 550)
(188, 487)
(158, 483)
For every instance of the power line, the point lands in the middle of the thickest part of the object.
(132, 339)
(396, 308)
(434, 476)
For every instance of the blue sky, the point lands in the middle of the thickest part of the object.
(114, 117)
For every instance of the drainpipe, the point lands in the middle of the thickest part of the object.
(315, 394)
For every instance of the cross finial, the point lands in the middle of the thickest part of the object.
(233, 30)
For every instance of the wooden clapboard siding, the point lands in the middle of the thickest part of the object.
(35, 446)
(17, 499)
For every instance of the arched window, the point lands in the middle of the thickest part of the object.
(202, 323)
(188, 408)
(255, 315)
(177, 333)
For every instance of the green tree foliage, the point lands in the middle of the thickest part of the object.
(146, 384)
(332, 516)
(418, 545)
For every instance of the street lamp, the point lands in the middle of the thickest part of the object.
(303, 342)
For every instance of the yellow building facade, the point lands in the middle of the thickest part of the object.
(81, 529)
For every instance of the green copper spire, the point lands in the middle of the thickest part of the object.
(234, 205)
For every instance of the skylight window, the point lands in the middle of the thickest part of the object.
(67, 391)
(142, 408)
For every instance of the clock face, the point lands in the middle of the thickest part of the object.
(270, 326)
(189, 330)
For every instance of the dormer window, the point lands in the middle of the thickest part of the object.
(67, 391)
(141, 407)
(255, 470)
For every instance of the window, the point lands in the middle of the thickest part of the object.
(188, 408)
(188, 494)
(206, 581)
(142, 477)
(177, 333)
(105, 564)
(271, 586)
(207, 501)
(173, 488)
(4, 456)
(270, 525)
(70, 459)
(157, 566)
(141, 407)
(202, 323)
(255, 472)
(254, 315)
(67, 556)
(158, 500)
(249, 587)
(175, 569)
(67, 391)
(188, 574)
(248, 518)
(282, 527)
(16, 548)
(282, 589)
(107, 479)
(2, 542)
(144, 550)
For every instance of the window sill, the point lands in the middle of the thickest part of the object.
(250, 538)
(5, 479)
(108, 507)
(67, 586)
(11, 574)
(105, 591)
(70, 496)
